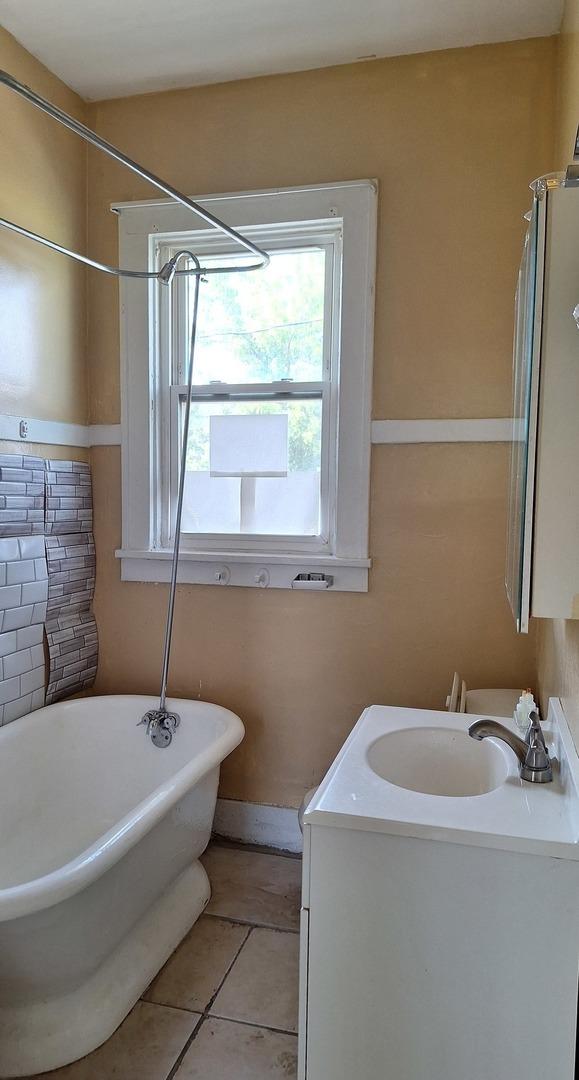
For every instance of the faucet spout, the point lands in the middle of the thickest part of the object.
(491, 729)
(533, 756)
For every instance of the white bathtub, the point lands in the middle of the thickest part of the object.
(100, 838)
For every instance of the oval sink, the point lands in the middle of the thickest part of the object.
(438, 761)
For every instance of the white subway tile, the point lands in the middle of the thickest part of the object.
(25, 638)
(9, 690)
(9, 549)
(39, 613)
(34, 592)
(16, 663)
(15, 709)
(37, 654)
(31, 547)
(19, 571)
(32, 680)
(8, 643)
(38, 698)
(10, 596)
(40, 569)
(18, 617)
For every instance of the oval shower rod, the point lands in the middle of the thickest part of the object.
(166, 273)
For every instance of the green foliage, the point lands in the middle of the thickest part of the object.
(264, 326)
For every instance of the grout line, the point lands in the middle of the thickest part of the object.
(177, 1064)
(179, 1059)
(232, 964)
(253, 925)
(251, 1024)
(179, 1008)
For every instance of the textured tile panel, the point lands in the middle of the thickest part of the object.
(70, 552)
(21, 496)
(68, 497)
(45, 578)
(23, 597)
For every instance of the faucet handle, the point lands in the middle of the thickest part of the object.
(534, 731)
(537, 765)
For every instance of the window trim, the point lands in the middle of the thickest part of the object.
(354, 204)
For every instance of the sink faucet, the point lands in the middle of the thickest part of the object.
(532, 754)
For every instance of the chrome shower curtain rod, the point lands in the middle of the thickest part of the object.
(166, 273)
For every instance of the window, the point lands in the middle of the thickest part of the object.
(265, 362)
(278, 448)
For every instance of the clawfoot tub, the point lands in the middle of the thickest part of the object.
(100, 838)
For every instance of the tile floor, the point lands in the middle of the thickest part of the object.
(225, 1005)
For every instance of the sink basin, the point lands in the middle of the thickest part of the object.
(438, 761)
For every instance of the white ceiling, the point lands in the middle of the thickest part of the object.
(110, 48)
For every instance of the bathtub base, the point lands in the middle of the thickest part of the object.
(49, 1034)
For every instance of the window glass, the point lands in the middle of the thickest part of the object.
(264, 326)
(255, 503)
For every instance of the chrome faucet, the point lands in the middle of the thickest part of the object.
(532, 753)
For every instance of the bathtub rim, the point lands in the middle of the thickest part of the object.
(28, 897)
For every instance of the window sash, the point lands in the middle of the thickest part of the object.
(253, 541)
(173, 324)
(275, 239)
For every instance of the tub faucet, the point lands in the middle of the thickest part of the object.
(532, 753)
(161, 726)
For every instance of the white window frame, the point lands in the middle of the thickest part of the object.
(342, 215)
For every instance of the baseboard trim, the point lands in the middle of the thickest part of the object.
(256, 823)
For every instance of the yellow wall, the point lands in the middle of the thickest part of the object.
(567, 89)
(558, 640)
(454, 138)
(42, 295)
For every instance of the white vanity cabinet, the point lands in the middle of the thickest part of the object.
(440, 936)
(543, 544)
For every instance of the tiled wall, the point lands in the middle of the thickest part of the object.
(21, 495)
(70, 626)
(23, 592)
(45, 582)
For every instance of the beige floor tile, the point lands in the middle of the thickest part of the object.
(262, 986)
(145, 1047)
(226, 1051)
(194, 971)
(254, 887)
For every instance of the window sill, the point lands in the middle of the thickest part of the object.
(250, 570)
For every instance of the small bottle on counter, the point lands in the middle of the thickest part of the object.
(523, 709)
